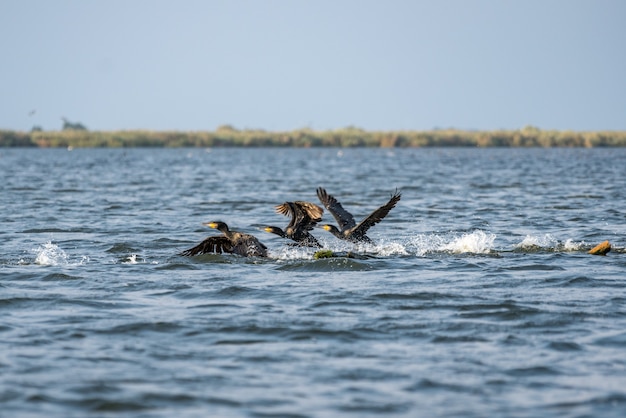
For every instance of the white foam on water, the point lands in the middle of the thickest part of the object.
(381, 248)
(132, 259)
(545, 241)
(385, 249)
(571, 245)
(422, 244)
(477, 242)
(292, 253)
(549, 242)
(50, 254)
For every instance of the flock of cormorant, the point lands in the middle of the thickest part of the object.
(304, 217)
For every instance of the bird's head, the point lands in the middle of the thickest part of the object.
(220, 226)
(274, 230)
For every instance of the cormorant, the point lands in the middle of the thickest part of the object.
(232, 242)
(304, 216)
(348, 229)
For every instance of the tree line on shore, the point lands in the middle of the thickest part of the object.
(227, 136)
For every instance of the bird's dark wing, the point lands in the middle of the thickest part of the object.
(304, 215)
(307, 215)
(289, 209)
(310, 210)
(249, 246)
(377, 215)
(284, 209)
(343, 217)
(215, 245)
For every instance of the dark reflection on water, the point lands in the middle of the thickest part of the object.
(477, 298)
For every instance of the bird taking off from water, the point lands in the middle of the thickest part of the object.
(348, 229)
(304, 216)
(232, 242)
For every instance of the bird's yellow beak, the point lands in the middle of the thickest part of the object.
(210, 224)
(326, 227)
(267, 229)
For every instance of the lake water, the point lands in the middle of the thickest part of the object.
(477, 299)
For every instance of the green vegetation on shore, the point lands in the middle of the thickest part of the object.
(227, 136)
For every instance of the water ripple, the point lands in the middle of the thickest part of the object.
(477, 299)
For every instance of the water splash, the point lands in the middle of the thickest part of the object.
(289, 252)
(548, 242)
(50, 254)
(571, 245)
(532, 242)
(386, 249)
(132, 259)
(477, 242)
(423, 244)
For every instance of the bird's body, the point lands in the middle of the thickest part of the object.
(348, 229)
(304, 216)
(232, 242)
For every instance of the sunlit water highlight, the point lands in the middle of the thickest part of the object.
(477, 298)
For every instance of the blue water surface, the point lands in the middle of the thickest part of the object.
(477, 298)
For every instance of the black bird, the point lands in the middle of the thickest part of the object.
(231, 242)
(304, 216)
(348, 229)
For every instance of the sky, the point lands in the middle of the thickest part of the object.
(279, 65)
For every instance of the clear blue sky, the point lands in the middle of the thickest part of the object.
(323, 64)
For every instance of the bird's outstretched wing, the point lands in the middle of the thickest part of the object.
(211, 245)
(249, 246)
(343, 217)
(311, 210)
(304, 215)
(377, 215)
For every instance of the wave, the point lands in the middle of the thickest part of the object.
(326, 264)
(477, 242)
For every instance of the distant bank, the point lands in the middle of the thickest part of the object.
(347, 137)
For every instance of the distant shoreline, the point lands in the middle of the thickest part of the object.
(227, 136)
